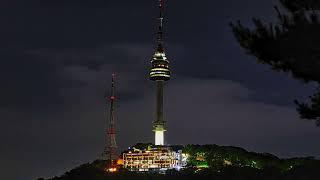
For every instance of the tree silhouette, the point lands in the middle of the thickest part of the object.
(292, 45)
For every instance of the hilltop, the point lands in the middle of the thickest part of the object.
(212, 162)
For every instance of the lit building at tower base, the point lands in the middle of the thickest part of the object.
(157, 159)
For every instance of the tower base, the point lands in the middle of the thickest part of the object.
(159, 138)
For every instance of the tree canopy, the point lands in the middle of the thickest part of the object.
(210, 162)
(292, 45)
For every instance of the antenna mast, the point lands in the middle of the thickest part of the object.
(160, 30)
(110, 152)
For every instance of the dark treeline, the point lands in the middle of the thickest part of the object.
(91, 172)
(212, 162)
(217, 157)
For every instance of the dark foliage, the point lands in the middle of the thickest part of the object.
(143, 145)
(218, 157)
(228, 173)
(290, 45)
(270, 167)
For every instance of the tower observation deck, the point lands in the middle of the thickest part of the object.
(160, 73)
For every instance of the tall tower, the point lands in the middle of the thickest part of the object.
(110, 152)
(160, 73)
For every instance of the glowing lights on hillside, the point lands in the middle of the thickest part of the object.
(227, 162)
(120, 162)
(112, 170)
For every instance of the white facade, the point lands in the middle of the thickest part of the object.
(159, 138)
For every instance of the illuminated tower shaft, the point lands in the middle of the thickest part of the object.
(111, 147)
(159, 73)
(159, 124)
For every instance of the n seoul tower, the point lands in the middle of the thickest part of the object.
(160, 73)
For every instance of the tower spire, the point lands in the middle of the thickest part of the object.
(110, 152)
(160, 30)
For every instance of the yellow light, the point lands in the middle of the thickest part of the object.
(159, 138)
(112, 169)
(226, 162)
(159, 69)
(161, 54)
(159, 75)
(120, 162)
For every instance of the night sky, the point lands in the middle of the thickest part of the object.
(57, 58)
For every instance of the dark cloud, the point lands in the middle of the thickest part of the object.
(27, 81)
